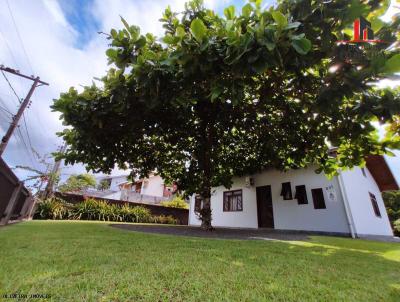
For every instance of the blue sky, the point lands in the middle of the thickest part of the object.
(63, 47)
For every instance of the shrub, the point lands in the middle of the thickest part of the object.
(392, 203)
(92, 209)
(141, 214)
(165, 219)
(52, 208)
(177, 202)
(396, 227)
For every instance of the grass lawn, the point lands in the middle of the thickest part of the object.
(90, 261)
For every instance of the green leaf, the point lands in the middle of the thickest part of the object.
(280, 19)
(260, 66)
(134, 32)
(198, 29)
(140, 42)
(112, 53)
(229, 12)
(293, 25)
(169, 39)
(376, 24)
(216, 92)
(302, 46)
(393, 64)
(247, 10)
(125, 23)
(113, 33)
(180, 32)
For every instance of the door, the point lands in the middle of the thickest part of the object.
(264, 207)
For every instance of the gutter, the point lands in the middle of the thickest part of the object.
(347, 209)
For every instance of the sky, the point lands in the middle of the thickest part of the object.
(58, 40)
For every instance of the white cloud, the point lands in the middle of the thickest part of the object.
(51, 43)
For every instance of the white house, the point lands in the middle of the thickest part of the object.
(348, 204)
(114, 181)
(149, 190)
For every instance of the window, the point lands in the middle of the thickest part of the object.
(375, 205)
(233, 201)
(286, 191)
(363, 172)
(301, 194)
(318, 198)
(197, 204)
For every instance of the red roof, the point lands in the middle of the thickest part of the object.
(381, 172)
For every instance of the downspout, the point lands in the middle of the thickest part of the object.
(347, 206)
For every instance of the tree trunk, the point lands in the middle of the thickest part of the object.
(205, 213)
(205, 164)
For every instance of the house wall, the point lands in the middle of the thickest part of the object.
(154, 186)
(288, 214)
(357, 187)
(115, 181)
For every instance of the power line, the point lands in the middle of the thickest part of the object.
(9, 48)
(12, 88)
(19, 36)
(5, 117)
(6, 110)
(31, 159)
(5, 107)
(27, 133)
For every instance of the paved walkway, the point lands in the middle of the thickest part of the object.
(222, 233)
(244, 234)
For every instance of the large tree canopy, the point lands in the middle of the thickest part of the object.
(219, 96)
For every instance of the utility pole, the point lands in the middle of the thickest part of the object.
(24, 104)
(50, 183)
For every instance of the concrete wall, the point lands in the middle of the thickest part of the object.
(357, 187)
(114, 195)
(288, 214)
(153, 186)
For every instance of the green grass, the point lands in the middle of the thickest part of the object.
(90, 261)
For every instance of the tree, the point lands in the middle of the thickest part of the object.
(392, 204)
(104, 184)
(177, 202)
(78, 182)
(232, 95)
(36, 181)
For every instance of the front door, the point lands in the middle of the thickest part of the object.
(264, 207)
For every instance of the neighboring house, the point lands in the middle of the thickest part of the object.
(348, 204)
(154, 186)
(114, 181)
(148, 190)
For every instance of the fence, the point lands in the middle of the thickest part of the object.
(16, 202)
(182, 215)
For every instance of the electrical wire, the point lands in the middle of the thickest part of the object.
(31, 158)
(27, 132)
(9, 49)
(12, 88)
(5, 107)
(6, 110)
(19, 36)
